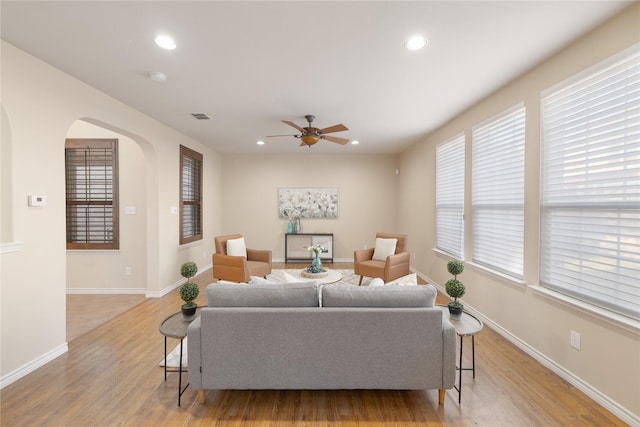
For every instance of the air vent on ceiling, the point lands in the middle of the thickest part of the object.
(200, 116)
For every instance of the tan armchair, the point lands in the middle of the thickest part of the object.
(239, 268)
(393, 267)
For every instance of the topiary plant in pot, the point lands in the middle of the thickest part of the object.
(455, 289)
(189, 291)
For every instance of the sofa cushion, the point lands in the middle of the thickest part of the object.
(384, 248)
(379, 296)
(303, 294)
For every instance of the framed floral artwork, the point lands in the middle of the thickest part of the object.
(314, 202)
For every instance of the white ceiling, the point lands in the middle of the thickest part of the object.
(249, 65)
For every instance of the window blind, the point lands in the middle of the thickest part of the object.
(450, 196)
(591, 185)
(91, 194)
(190, 195)
(498, 192)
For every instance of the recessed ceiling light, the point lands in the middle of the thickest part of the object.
(355, 142)
(416, 43)
(165, 42)
(261, 142)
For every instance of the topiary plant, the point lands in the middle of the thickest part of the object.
(189, 291)
(455, 288)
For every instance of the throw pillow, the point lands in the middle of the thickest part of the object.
(376, 282)
(236, 247)
(408, 280)
(255, 280)
(289, 278)
(384, 248)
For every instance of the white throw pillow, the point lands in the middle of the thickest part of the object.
(376, 282)
(289, 278)
(236, 247)
(384, 248)
(408, 280)
(255, 280)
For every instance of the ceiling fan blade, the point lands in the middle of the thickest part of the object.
(271, 136)
(335, 139)
(334, 128)
(292, 125)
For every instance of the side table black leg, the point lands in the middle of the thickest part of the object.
(473, 354)
(180, 376)
(165, 357)
(460, 373)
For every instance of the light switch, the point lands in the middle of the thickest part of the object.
(130, 210)
(174, 210)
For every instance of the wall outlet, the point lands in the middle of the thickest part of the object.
(574, 340)
(127, 271)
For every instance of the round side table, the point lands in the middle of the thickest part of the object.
(467, 325)
(175, 326)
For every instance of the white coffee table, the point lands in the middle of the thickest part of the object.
(333, 276)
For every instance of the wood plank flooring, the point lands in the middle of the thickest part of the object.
(110, 376)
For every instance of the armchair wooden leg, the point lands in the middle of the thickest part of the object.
(201, 396)
(360, 282)
(440, 396)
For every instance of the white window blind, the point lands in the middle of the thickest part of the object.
(591, 185)
(498, 192)
(450, 196)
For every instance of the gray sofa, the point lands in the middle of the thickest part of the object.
(300, 336)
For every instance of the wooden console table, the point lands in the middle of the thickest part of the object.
(296, 246)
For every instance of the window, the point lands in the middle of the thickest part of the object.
(498, 192)
(450, 196)
(91, 171)
(190, 195)
(590, 247)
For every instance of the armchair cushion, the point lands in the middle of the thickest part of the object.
(236, 247)
(384, 248)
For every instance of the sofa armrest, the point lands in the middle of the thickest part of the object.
(259, 255)
(194, 344)
(448, 354)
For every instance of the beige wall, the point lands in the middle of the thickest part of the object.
(39, 106)
(367, 197)
(104, 271)
(608, 365)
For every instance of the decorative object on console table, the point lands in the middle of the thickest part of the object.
(316, 263)
(455, 288)
(290, 227)
(189, 291)
(298, 227)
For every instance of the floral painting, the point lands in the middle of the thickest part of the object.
(308, 202)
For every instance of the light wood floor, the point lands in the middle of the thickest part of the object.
(110, 376)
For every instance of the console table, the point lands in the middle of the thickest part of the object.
(296, 246)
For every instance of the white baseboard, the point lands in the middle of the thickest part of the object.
(611, 405)
(26, 369)
(167, 289)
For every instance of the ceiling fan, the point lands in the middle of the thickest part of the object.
(310, 135)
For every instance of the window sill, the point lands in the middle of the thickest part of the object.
(501, 276)
(614, 319)
(6, 248)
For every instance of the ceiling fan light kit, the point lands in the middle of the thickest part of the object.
(311, 135)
